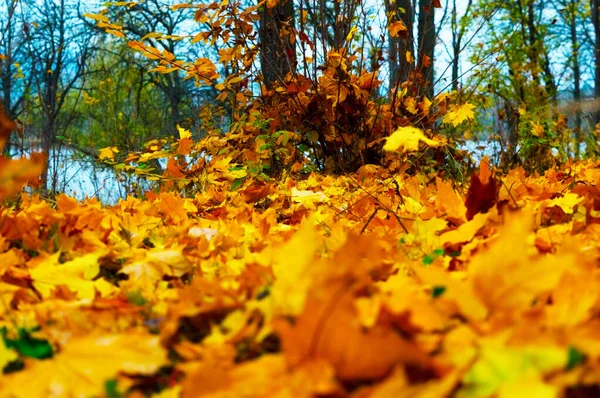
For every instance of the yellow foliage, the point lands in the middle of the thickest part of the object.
(407, 139)
(459, 113)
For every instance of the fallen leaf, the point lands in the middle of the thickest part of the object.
(483, 191)
(85, 364)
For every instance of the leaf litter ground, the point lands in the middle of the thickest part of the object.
(372, 284)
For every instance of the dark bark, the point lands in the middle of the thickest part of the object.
(576, 77)
(399, 67)
(427, 38)
(277, 53)
(458, 33)
(594, 4)
(539, 54)
(10, 48)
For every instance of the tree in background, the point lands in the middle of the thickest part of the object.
(15, 79)
(154, 23)
(121, 104)
(308, 70)
(426, 46)
(571, 23)
(459, 28)
(595, 17)
(58, 46)
(277, 49)
(515, 76)
(400, 12)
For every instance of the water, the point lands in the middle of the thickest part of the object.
(82, 177)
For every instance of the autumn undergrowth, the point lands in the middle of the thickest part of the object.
(227, 281)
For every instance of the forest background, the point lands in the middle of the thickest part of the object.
(76, 83)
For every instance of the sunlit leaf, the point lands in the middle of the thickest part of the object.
(407, 139)
(459, 113)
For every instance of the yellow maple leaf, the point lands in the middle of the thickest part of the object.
(7, 355)
(411, 105)
(537, 129)
(426, 104)
(510, 280)
(108, 153)
(500, 367)
(407, 139)
(307, 197)
(459, 113)
(351, 34)
(183, 133)
(456, 291)
(335, 59)
(170, 261)
(96, 17)
(450, 202)
(293, 267)
(567, 202)
(85, 364)
(77, 275)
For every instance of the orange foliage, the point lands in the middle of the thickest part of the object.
(372, 284)
(14, 174)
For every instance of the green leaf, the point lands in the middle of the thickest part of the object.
(286, 137)
(136, 298)
(27, 345)
(428, 259)
(575, 358)
(498, 365)
(111, 389)
(437, 291)
(237, 183)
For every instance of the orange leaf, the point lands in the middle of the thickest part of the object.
(483, 191)
(14, 174)
(6, 126)
(398, 29)
(357, 353)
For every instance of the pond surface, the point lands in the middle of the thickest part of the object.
(82, 177)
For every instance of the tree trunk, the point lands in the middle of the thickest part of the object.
(539, 55)
(399, 67)
(512, 117)
(46, 146)
(458, 32)
(576, 79)
(277, 53)
(6, 73)
(427, 37)
(594, 4)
